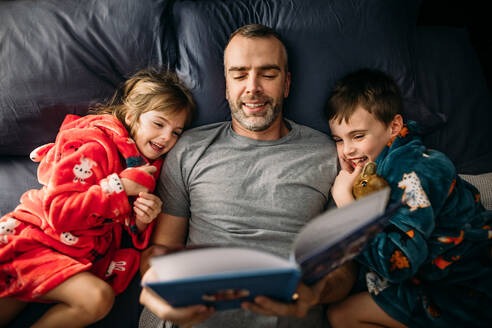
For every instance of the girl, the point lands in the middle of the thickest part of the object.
(63, 242)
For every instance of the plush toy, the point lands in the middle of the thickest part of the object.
(368, 181)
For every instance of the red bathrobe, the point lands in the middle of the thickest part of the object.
(75, 222)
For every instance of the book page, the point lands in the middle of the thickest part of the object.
(214, 260)
(334, 225)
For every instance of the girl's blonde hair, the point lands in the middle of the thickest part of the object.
(147, 90)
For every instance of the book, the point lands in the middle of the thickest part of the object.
(224, 277)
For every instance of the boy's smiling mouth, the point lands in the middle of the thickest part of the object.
(357, 160)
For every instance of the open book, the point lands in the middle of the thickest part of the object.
(226, 276)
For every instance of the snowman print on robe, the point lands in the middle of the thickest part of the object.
(7, 227)
(112, 184)
(82, 170)
(68, 239)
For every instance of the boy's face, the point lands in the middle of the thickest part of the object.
(157, 132)
(363, 138)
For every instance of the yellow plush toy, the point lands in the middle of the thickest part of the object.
(368, 181)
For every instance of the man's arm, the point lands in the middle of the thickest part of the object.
(169, 231)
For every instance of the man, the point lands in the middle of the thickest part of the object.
(254, 181)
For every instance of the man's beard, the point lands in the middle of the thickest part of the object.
(263, 120)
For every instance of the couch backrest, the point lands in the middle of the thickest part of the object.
(325, 40)
(450, 81)
(59, 56)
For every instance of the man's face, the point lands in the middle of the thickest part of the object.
(256, 81)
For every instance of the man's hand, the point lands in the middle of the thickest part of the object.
(334, 287)
(184, 317)
(307, 297)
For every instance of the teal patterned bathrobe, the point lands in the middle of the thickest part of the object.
(432, 265)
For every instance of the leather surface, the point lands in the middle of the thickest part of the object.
(325, 40)
(451, 82)
(58, 57)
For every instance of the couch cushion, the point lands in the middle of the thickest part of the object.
(451, 81)
(483, 182)
(17, 175)
(56, 56)
(325, 40)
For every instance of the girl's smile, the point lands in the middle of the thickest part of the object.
(156, 133)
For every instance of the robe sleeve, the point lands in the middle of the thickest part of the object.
(140, 240)
(83, 190)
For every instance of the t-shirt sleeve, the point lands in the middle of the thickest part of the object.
(172, 188)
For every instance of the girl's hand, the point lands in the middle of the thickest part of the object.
(341, 190)
(146, 207)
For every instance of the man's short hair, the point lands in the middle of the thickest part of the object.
(371, 89)
(259, 31)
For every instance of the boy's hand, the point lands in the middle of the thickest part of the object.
(345, 165)
(341, 190)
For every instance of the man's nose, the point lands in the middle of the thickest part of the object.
(253, 86)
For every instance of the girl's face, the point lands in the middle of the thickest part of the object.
(157, 132)
(364, 137)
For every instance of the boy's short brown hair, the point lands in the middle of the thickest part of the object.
(370, 89)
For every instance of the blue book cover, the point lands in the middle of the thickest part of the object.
(224, 277)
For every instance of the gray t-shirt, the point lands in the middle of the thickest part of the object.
(255, 193)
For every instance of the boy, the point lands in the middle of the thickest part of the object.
(431, 266)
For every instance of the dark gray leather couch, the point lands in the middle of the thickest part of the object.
(59, 56)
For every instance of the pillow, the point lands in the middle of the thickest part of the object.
(483, 182)
(325, 40)
(58, 56)
(415, 109)
(451, 81)
(17, 175)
